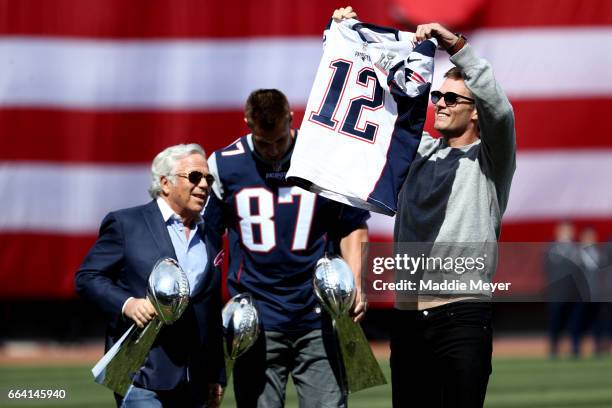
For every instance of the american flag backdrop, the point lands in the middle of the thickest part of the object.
(91, 90)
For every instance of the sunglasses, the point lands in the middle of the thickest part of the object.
(450, 98)
(195, 177)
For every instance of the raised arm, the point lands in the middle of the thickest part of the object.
(495, 114)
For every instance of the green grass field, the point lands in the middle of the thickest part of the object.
(531, 383)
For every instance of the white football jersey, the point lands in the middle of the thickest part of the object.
(364, 116)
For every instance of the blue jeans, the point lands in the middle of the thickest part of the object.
(140, 398)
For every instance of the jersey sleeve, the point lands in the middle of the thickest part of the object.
(351, 218)
(215, 213)
(217, 187)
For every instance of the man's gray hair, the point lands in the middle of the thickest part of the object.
(165, 163)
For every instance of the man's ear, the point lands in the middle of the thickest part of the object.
(249, 124)
(475, 115)
(164, 182)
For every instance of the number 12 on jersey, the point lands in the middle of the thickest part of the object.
(327, 115)
(261, 216)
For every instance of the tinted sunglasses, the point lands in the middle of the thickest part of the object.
(450, 98)
(195, 177)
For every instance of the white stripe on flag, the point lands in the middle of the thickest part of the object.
(219, 74)
(73, 199)
(549, 184)
(216, 74)
(561, 184)
(68, 199)
(544, 63)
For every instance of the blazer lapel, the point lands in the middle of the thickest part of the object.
(159, 231)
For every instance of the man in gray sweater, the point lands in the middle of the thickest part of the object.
(453, 199)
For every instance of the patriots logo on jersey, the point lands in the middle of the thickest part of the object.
(413, 76)
(276, 178)
(273, 173)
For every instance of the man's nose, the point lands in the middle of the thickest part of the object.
(203, 184)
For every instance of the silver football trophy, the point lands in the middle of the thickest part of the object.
(334, 286)
(240, 328)
(168, 291)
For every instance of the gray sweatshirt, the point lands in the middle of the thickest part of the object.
(458, 195)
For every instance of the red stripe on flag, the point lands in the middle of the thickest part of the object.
(467, 14)
(543, 230)
(112, 137)
(562, 123)
(126, 137)
(40, 265)
(557, 123)
(545, 13)
(177, 19)
(50, 273)
(535, 231)
(264, 18)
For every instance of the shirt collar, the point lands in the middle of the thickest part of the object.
(168, 213)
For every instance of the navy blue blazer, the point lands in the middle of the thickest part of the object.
(118, 266)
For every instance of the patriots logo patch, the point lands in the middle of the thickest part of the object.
(413, 76)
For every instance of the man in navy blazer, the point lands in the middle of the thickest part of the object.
(185, 367)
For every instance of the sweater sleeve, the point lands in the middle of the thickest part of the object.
(495, 119)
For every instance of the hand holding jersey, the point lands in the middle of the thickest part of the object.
(343, 13)
(445, 37)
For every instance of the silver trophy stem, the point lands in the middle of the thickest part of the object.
(334, 286)
(360, 368)
(229, 368)
(229, 364)
(240, 329)
(337, 348)
(130, 356)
